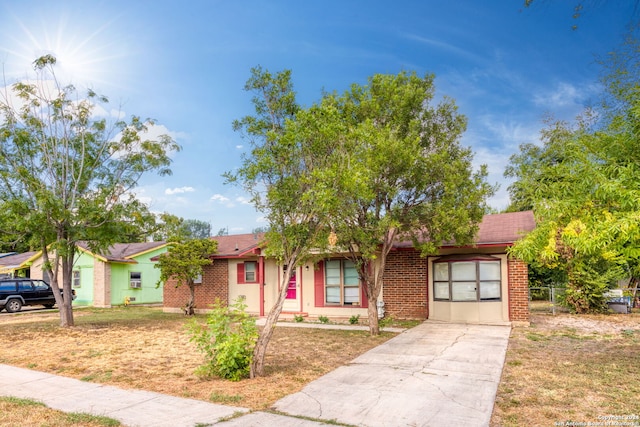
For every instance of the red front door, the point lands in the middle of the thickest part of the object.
(292, 288)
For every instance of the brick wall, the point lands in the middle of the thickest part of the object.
(518, 291)
(215, 284)
(405, 286)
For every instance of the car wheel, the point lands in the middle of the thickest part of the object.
(13, 305)
(48, 305)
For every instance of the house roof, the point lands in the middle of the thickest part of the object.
(505, 227)
(12, 262)
(237, 245)
(494, 229)
(123, 252)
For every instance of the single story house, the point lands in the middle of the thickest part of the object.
(478, 283)
(124, 273)
(17, 264)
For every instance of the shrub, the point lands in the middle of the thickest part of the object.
(323, 319)
(298, 318)
(227, 340)
(354, 319)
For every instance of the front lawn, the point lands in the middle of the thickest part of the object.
(572, 370)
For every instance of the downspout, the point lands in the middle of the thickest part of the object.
(261, 283)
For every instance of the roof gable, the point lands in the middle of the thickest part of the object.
(123, 252)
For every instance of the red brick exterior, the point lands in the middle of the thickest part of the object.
(405, 285)
(215, 284)
(518, 291)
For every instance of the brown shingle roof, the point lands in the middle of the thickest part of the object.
(495, 229)
(237, 244)
(505, 227)
(16, 260)
(123, 252)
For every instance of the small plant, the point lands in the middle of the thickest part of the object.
(227, 340)
(385, 321)
(354, 319)
(323, 319)
(299, 318)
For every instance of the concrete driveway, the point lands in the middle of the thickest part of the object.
(432, 375)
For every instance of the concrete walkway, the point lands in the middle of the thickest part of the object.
(432, 375)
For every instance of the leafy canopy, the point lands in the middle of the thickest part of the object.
(67, 171)
(584, 186)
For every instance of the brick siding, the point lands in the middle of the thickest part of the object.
(518, 291)
(405, 286)
(215, 284)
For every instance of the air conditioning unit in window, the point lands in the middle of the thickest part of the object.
(136, 284)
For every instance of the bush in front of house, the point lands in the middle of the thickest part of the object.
(227, 340)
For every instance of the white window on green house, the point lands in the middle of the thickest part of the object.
(135, 280)
(250, 269)
(75, 279)
(472, 280)
(342, 285)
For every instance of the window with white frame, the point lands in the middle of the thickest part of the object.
(467, 279)
(75, 279)
(250, 271)
(135, 280)
(342, 285)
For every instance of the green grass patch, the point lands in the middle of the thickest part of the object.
(82, 418)
(21, 402)
(225, 398)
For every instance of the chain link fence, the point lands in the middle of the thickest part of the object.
(548, 299)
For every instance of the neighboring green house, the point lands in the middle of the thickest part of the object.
(16, 265)
(124, 274)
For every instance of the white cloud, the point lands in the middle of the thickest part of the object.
(239, 147)
(220, 198)
(566, 96)
(243, 200)
(179, 190)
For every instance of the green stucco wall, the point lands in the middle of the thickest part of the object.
(84, 292)
(148, 293)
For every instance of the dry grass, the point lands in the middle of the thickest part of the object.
(21, 412)
(571, 368)
(143, 348)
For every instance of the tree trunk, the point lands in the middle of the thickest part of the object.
(190, 307)
(66, 310)
(260, 350)
(372, 273)
(374, 326)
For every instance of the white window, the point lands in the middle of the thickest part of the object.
(342, 285)
(467, 280)
(135, 280)
(250, 269)
(75, 279)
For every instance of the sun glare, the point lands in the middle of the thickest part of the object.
(84, 53)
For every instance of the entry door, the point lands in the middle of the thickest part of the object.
(292, 303)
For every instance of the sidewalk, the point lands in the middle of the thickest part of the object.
(432, 375)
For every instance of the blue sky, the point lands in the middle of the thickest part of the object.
(184, 63)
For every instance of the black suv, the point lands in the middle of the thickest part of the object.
(14, 293)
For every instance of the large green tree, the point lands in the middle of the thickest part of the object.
(583, 183)
(280, 173)
(66, 173)
(403, 174)
(184, 263)
(172, 228)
